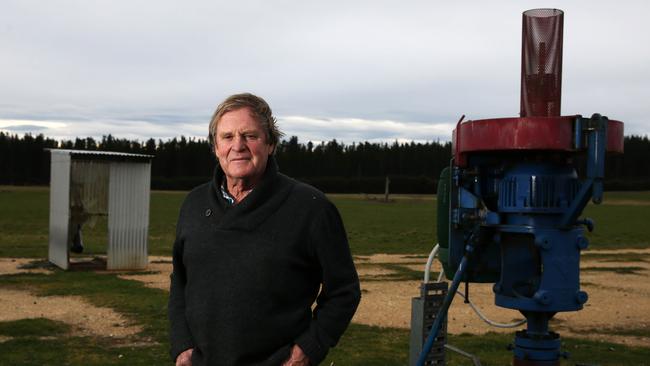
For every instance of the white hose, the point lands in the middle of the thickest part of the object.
(442, 273)
(488, 321)
(427, 269)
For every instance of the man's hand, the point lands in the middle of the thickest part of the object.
(297, 357)
(185, 358)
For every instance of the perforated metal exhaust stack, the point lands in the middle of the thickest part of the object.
(541, 63)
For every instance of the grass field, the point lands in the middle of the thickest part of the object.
(404, 225)
(42, 342)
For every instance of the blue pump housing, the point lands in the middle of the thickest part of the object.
(513, 221)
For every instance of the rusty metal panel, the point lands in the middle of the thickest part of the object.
(89, 185)
(526, 133)
(88, 192)
(59, 209)
(128, 215)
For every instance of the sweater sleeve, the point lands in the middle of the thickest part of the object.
(340, 293)
(179, 332)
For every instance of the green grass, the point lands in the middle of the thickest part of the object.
(162, 220)
(639, 196)
(24, 223)
(491, 349)
(370, 346)
(141, 305)
(81, 351)
(47, 342)
(38, 327)
(404, 225)
(641, 331)
(24, 215)
(400, 226)
(360, 345)
(618, 226)
(376, 346)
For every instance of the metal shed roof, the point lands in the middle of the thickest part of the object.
(101, 155)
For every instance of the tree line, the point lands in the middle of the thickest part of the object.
(182, 163)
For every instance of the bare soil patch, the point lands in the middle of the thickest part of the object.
(391, 258)
(19, 265)
(86, 318)
(618, 302)
(371, 270)
(157, 276)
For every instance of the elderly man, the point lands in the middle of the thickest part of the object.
(254, 249)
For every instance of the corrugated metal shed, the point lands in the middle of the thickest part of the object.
(88, 184)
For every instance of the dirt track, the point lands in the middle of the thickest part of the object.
(619, 299)
(84, 317)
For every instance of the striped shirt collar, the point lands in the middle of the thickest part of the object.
(225, 194)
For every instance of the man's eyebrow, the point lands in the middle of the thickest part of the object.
(242, 132)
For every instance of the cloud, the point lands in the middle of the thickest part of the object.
(161, 67)
(29, 126)
(357, 130)
(23, 128)
(346, 130)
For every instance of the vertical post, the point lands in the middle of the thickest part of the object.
(386, 189)
(59, 234)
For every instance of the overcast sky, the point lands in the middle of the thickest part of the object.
(350, 70)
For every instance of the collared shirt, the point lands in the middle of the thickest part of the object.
(224, 193)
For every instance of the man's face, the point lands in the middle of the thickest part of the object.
(241, 146)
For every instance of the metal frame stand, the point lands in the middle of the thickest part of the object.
(424, 311)
(472, 357)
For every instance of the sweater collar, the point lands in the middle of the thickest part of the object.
(263, 200)
(270, 172)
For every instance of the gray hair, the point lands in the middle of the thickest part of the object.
(259, 110)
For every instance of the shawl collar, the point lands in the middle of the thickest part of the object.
(269, 194)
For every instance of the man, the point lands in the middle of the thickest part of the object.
(253, 248)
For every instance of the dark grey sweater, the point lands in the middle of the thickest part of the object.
(245, 276)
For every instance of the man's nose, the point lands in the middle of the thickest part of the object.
(239, 142)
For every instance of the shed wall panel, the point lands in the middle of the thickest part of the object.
(89, 188)
(59, 210)
(128, 215)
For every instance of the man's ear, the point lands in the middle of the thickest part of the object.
(214, 150)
